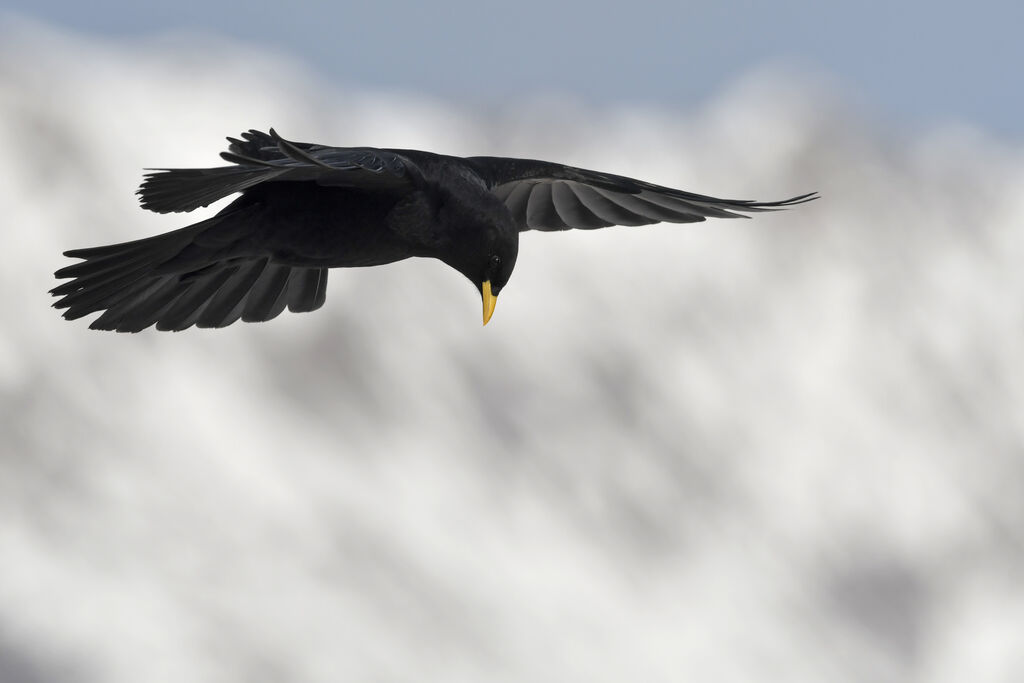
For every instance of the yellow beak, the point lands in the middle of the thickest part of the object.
(489, 301)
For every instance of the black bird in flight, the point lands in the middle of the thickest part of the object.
(305, 208)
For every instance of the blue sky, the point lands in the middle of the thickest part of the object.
(911, 64)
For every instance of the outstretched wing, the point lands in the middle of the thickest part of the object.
(547, 196)
(259, 158)
(191, 276)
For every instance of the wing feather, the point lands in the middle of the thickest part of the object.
(517, 199)
(540, 209)
(605, 209)
(225, 307)
(572, 210)
(647, 209)
(267, 297)
(307, 291)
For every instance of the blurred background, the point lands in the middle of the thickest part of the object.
(789, 448)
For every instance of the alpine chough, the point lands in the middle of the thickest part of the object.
(305, 208)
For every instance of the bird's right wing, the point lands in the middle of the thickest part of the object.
(259, 158)
(547, 196)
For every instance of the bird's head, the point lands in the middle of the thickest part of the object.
(483, 246)
(488, 264)
(496, 274)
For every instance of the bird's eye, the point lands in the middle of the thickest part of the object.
(495, 263)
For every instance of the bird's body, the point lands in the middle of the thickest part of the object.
(306, 208)
(301, 224)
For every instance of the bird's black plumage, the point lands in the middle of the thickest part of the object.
(305, 208)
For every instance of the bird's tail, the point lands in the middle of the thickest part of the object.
(180, 279)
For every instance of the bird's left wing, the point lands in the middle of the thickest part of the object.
(259, 158)
(546, 196)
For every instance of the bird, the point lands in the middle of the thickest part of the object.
(305, 208)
